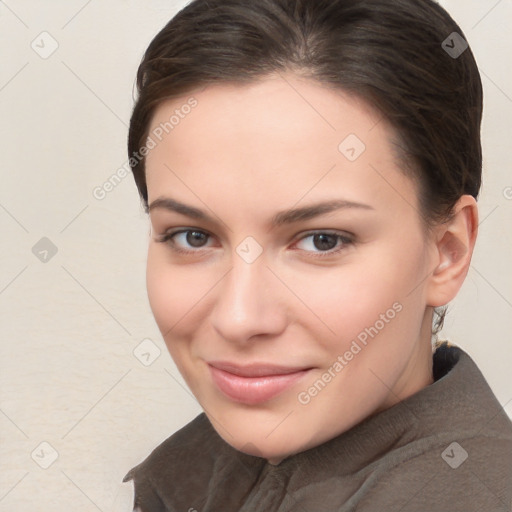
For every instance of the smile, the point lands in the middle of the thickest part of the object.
(256, 383)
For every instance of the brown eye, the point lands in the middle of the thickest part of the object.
(196, 238)
(185, 240)
(325, 242)
(322, 243)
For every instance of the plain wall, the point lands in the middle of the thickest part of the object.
(69, 325)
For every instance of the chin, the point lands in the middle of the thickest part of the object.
(272, 454)
(261, 434)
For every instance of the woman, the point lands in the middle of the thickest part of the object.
(310, 169)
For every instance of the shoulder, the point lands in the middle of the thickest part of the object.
(189, 452)
(461, 456)
(191, 468)
(197, 437)
(457, 475)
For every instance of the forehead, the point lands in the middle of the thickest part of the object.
(279, 139)
(279, 105)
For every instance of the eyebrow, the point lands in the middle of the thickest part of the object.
(283, 217)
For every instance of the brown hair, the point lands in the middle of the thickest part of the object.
(389, 53)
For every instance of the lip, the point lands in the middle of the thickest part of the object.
(255, 383)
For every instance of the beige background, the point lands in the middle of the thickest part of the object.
(69, 326)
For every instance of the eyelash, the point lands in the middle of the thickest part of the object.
(345, 239)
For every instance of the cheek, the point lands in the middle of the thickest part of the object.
(344, 301)
(176, 294)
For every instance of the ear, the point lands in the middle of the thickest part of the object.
(454, 243)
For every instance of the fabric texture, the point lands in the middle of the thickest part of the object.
(447, 448)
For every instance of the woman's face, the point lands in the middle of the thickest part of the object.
(287, 261)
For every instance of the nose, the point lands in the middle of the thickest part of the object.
(248, 303)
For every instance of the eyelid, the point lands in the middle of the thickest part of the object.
(167, 237)
(326, 231)
(347, 239)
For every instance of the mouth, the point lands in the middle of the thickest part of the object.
(254, 384)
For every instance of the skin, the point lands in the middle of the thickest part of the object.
(245, 153)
